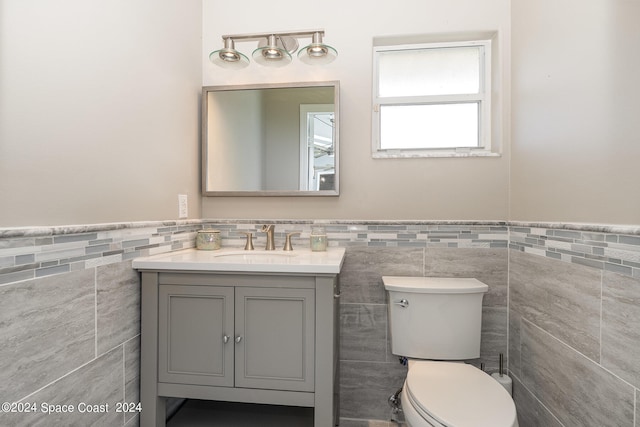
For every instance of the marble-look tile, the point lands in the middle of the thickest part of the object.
(358, 286)
(514, 342)
(363, 332)
(132, 373)
(365, 388)
(494, 338)
(134, 421)
(578, 391)
(363, 268)
(599, 228)
(531, 413)
(117, 305)
(621, 326)
(99, 382)
(47, 328)
(489, 265)
(561, 298)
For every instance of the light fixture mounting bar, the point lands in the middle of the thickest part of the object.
(259, 36)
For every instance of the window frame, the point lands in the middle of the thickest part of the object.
(482, 98)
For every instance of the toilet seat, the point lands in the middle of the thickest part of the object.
(457, 395)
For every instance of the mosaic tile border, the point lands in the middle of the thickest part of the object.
(30, 252)
(369, 233)
(616, 252)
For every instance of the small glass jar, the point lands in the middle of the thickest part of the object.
(318, 239)
(208, 240)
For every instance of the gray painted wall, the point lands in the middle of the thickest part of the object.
(99, 118)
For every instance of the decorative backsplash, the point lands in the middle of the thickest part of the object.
(615, 249)
(376, 233)
(27, 253)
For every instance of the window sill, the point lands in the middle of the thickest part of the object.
(407, 154)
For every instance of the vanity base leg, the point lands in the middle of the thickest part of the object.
(153, 412)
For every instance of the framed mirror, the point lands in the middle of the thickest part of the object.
(271, 139)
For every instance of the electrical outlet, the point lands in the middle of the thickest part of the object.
(183, 206)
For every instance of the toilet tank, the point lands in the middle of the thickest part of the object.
(435, 318)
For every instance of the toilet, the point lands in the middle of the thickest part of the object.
(436, 323)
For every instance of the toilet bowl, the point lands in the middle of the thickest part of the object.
(436, 322)
(450, 394)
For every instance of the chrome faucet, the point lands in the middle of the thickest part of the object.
(269, 229)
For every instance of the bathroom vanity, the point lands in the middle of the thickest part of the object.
(236, 326)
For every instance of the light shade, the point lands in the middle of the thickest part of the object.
(273, 54)
(229, 57)
(317, 53)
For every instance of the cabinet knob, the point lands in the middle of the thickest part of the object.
(238, 338)
(225, 338)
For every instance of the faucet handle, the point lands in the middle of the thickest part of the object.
(287, 241)
(249, 245)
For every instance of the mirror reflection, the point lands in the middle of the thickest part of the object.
(271, 140)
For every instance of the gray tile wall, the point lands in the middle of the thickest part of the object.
(574, 342)
(56, 350)
(69, 312)
(70, 319)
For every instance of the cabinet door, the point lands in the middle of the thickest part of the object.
(195, 335)
(276, 331)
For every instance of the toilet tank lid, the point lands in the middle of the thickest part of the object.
(434, 285)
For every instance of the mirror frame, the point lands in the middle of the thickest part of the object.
(204, 152)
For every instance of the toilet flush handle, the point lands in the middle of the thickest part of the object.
(402, 303)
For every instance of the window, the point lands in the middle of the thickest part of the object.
(432, 99)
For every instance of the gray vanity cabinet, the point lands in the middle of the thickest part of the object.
(256, 338)
(267, 334)
(195, 335)
(276, 333)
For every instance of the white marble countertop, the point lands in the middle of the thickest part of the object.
(302, 261)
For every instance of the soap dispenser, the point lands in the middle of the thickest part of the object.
(318, 239)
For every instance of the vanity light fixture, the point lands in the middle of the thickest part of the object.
(229, 57)
(274, 49)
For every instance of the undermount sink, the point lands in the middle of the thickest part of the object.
(248, 255)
